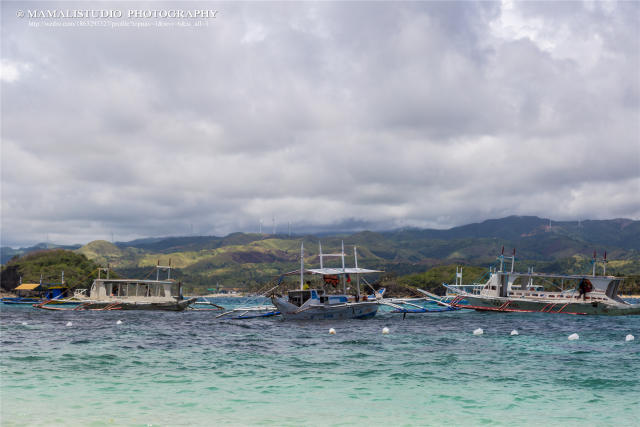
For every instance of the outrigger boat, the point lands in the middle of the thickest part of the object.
(309, 303)
(249, 311)
(131, 294)
(202, 304)
(35, 293)
(418, 305)
(509, 291)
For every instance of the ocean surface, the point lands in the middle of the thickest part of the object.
(188, 368)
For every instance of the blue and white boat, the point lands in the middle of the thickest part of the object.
(318, 303)
(36, 293)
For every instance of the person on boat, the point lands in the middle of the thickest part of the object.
(307, 285)
(584, 287)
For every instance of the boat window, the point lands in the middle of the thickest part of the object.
(299, 297)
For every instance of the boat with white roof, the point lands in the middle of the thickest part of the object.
(319, 302)
(510, 291)
(131, 294)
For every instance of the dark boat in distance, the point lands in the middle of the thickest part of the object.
(509, 291)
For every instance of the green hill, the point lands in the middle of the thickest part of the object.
(249, 260)
(78, 270)
(106, 253)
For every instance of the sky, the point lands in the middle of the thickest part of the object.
(313, 116)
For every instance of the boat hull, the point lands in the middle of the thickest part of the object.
(126, 305)
(502, 304)
(22, 302)
(361, 310)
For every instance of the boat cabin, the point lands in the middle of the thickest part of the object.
(298, 298)
(56, 292)
(117, 289)
(502, 284)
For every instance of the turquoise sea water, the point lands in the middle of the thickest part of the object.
(191, 369)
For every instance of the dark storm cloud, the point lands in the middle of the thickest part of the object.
(324, 114)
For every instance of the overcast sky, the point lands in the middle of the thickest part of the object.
(329, 115)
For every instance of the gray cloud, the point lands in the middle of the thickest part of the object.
(364, 115)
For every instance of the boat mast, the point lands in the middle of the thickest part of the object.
(513, 259)
(320, 248)
(604, 264)
(166, 268)
(458, 276)
(344, 273)
(594, 264)
(355, 256)
(302, 265)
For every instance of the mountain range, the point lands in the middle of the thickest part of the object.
(249, 259)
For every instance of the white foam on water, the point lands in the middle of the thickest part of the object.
(385, 330)
(69, 324)
(24, 323)
(332, 331)
(573, 337)
(478, 331)
(119, 322)
(629, 338)
(514, 332)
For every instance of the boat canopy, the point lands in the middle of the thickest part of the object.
(27, 287)
(337, 271)
(133, 281)
(333, 271)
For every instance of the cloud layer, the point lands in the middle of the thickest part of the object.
(374, 115)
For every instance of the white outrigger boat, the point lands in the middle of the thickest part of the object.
(578, 294)
(251, 311)
(131, 294)
(309, 303)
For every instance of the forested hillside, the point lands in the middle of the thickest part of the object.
(250, 260)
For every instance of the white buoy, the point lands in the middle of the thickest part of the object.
(119, 322)
(385, 331)
(573, 337)
(478, 331)
(629, 338)
(25, 324)
(332, 331)
(514, 332)
(69, 324)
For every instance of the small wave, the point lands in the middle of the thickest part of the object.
(27, 358)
